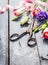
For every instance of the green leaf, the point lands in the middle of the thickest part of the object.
(44, 0)
(25, 20)
(36, 29)
(16, 18)
(44, 26)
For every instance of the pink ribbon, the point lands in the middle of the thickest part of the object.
(2, 10)
(27, 5)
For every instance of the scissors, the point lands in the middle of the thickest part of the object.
(14, 37)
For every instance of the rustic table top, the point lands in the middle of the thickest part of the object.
(11, 52)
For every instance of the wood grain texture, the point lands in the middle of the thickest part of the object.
(43, 48)
(21, 55)
(3, 35)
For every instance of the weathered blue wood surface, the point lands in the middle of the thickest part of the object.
(23, 55)
(42, 47)
(3, 35)
(19, 55)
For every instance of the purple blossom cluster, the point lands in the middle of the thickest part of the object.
(42, 16)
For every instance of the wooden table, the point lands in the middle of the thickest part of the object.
(10, 52)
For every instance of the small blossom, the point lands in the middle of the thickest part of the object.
(36, 11)
(42, 16)
(28, 1)
(45, 33)
(17, 12)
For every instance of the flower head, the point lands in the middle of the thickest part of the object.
(36, 11)
(45, 33)
(28, 1)
(42, 16)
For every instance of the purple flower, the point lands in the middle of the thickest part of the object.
(42, 16)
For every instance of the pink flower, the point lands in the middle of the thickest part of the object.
(45, 33)
(18, 12)
(30, 6)
(28, 1)
(36, 11)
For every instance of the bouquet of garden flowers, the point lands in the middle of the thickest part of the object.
(37, 12)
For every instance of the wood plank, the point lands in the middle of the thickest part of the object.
(23, 55)
(3, 35)
(43, 48)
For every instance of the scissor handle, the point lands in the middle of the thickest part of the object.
(14, 37)
(31, 42)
